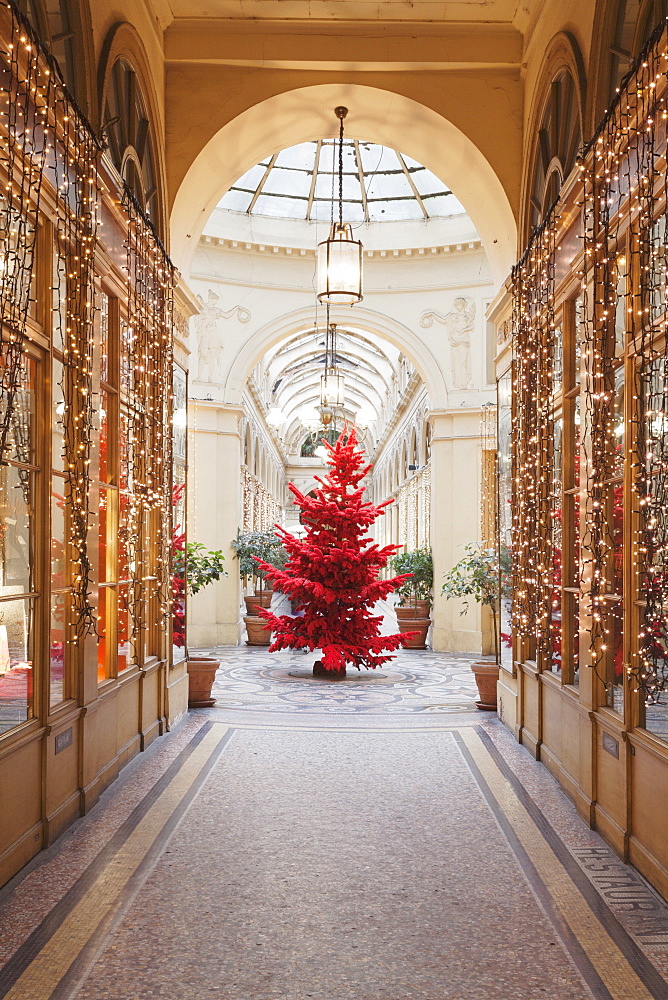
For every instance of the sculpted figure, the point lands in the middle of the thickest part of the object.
(459, 325)
(210, 334)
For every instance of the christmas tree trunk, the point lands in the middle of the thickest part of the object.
(331, 575)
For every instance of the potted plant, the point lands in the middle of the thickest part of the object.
(249, 547)
(415, 594)
(476, 576)
(193, 568)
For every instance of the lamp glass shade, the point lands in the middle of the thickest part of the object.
(332, 389)
(339, 277)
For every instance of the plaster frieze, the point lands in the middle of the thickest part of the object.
(271, 249)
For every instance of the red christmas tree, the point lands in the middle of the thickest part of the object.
(331, 575)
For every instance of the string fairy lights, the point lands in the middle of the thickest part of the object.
(49, 144)
(620, 458)
(147, 366)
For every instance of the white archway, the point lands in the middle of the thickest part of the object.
(366, 320)
(376, 115)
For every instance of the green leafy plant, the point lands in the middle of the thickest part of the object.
(476, 576)
(198, 565)
(421, 565)
(252, 545)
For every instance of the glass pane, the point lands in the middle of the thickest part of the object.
(18, 231)
(19, 444)
(286, 208)
(656, 717)
(16, 487)
(557, 359)
(103, 430)
(576, 431)
(250, 180)
(613, 656)
(59, 564)
(301, 156)
(657, 274)
(16, 664)
(292, 182)
(571, 639)
(618, 424)
(386, 211)
(443, 205)
(127, 358)
(104, 337)
(236, 201)
(57, 649)
(426, 182)
(57, 416)
(579, 338)
(106, 616)
(59, 304)
(106, 522)
(620, 309)
(125, 622)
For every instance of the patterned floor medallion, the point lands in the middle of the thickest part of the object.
(252, 679)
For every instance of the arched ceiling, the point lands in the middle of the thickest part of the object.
(288, 379)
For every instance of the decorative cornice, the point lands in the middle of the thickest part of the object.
(241, 246)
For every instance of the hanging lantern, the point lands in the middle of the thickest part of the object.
(339, 278)
(339, 268)
(332, 389)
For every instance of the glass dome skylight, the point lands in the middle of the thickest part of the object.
(379, 185)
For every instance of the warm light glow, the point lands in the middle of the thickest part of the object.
(339, 278)
(332, 389)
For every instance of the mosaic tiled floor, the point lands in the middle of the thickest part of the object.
(376, 838)
(252, 679)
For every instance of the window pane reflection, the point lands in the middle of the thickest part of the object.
(16, 663)
(15, 537)
(59, 603)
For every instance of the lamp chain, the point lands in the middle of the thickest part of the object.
(341, 172)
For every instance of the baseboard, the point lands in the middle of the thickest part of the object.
(21, 851)
(649, 865)
(62, 817)
(611, 831)
(532, 744)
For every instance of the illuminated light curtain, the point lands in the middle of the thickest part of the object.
(150, 289)
(47, 137)
(625, 156)
(533, 284)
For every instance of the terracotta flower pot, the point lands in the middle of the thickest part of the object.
(419, 610)
(486, 675)
(201, 675)
(252, 604)
(263, 598)
(419, 625)
(257, 634)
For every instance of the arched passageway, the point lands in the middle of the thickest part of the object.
(377, 115)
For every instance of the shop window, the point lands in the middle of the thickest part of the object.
(18, 595)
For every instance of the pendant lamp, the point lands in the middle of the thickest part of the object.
(339, 258)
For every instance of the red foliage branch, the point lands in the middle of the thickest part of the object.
(331, 575)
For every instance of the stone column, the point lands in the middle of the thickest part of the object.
(455, 520)
(215, 497)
